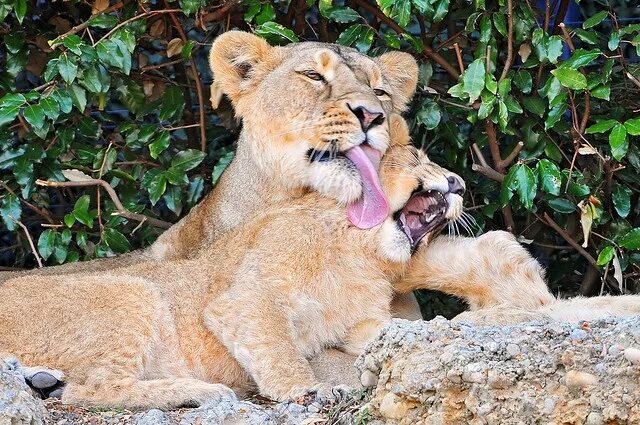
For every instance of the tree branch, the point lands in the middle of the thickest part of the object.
(509, 61)
(122, 211)
(505, 163)
(33, 247)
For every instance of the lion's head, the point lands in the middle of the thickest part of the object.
(305, 108)
(423, 197)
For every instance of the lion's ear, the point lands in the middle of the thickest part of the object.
(400, 70)
(233, 58)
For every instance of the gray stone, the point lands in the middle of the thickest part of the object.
(17, 404)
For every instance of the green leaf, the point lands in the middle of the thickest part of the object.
(73, 43)
(63, 99)
(554, 48)
(357, 35)
(155, 181)
(173, 199)
(581, 58)
(503, 114)
(605, 255)
(487, 105)
(549, 177)
(633, 126)
(34, 114)
(631, 240)
(187, 159)
(555, 114)
(343, 14)
(563, 206)
(20, 7)
(276, 33)
(81, 211)
(614, 41)
(5, 9)
(589, 37)
(46, 242)
(160, 143)
(267, 13)
(521, 180)
(594, 20)
(601, 92)
(78, 97)
(69, 220)
(601, 126)
(473, 79)
(195, 189)
(67, 68)
(50, 107)
(172, 103)
(429, 115)
(535, 105)
(570, 78)
(10, 211)
(116, 240)
(523, 81)
(618, 141)
(10, 107)
(621, 196)
(222, 165)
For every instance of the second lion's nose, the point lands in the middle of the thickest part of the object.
(367, 118)
(456, 185)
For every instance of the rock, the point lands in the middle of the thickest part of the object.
(17, 404)
(536, 372)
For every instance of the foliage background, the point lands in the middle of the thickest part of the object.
(542, 121)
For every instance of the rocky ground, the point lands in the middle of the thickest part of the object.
(436, 372)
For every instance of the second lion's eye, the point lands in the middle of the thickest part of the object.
(379, 92)
(312, 75)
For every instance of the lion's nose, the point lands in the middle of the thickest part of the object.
(456, 185)
(367, 118)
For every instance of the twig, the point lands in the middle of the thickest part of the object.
(490, 129)
(488, 172)
(135, 18)
(220, 12)
(478, 152)
(570, 240)
(428, 51)
(633, 79)
(122, 211)
(562, 11)
(504, 163)
(509, 61)
(456, 47)
(42, 213)
(33, 247)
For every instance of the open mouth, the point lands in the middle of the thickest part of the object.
(424, 213)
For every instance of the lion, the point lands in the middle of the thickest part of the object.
(294, 279)
(302, 106)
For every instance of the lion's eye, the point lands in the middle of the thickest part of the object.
(312, 75)
(379, 92)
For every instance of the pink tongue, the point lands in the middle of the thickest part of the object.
(372, 209)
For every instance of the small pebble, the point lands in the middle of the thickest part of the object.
(578, 334)
(633, 355)
(577, 379)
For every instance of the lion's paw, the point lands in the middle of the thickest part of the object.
(320, 393)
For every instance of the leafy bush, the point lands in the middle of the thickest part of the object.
(541, 119)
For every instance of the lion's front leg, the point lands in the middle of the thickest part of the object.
(489, 270)
(254, 328)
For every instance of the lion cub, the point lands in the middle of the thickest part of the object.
(248, 312)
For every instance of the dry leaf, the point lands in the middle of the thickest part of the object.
(99, 6)
(157, 28)
(61, 25)
(74, 175)
(524, 51)
(586, 220)
(147, 87)
(587, 150)
(617, 270)
(216, 95)
(174, 47)
(143, 60)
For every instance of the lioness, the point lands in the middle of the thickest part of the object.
(292, 280)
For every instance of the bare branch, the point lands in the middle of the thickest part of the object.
(488, 172)
(122, 211)
(509, 61)
(33, 247)
(505, 163)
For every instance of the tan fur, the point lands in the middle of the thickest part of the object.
(293, 280)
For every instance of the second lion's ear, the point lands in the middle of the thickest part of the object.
(233, 58)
